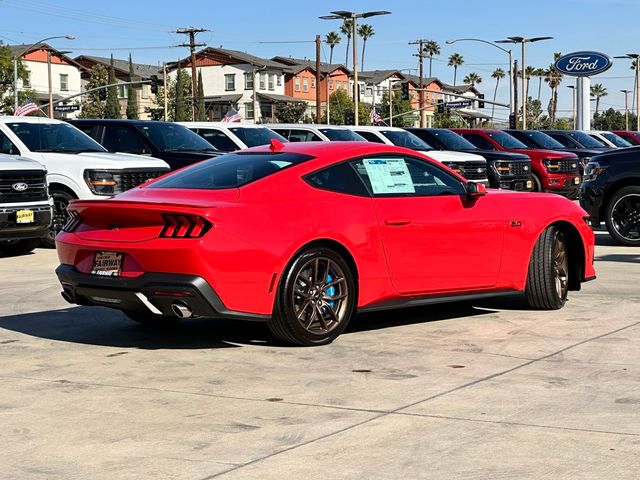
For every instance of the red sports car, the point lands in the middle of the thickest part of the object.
(304, 235)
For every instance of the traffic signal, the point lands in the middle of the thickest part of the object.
(102, 93)
(349, 118)
(154, 83)
(481, 103)
(440, 106)
(404, 92)
(512, 120)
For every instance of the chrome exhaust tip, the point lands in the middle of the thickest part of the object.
(180, 310)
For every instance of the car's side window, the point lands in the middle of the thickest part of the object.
(479, 141)
(405, 176)
(6, 145)
(303, 136)
(369, 137)
(218, 139)
(122, 139)
(341, 178)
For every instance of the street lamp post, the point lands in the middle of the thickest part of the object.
(573, 104)
(15, 65)
(353, 16)
(508, 52)
(522, 41)
(626, 108)
(636, 58)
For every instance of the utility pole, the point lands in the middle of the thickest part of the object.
(164, 87)
(421, 56)
(515, 93)
(318, 79)
(194, 78)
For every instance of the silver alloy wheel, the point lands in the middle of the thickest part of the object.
(625, 216)
(560, 266)
(320, 295)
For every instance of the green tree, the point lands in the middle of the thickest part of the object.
(455, 60)
(446, 120)
(332, 39)
(498, 74)
(398, 106)
(93, 106)
(473, 78)
(341, 104)
(112, 108)
(598, 91)
(6, 81)
(529, 73)
(366, 31)
(347, 29)
(540, 74)
(157, 113)
(431, 48)
(290, 112)
(553, 77)
(612, 119)
(202, 108)
(182, 97)
(132, 97)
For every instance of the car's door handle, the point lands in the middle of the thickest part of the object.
(397, 221)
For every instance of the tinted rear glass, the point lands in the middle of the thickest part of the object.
(402, 138)
(585, 140)
(451, 140)
(342, 135)
(506, 141)
(616, 140)
(536, 139)
(252, 137)
(231, 170)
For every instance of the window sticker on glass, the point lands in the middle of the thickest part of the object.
(389, 175)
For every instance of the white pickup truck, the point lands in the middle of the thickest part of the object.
(25, 205)
(78, 166)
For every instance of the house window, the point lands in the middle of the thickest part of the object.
(266, 109)
(27, 80)
(64, 82)
(263, 81)
(145, 91)
(296, 84)
(248, 110)
(122, 91)
(338, 84)
(279, 82)
(272, 78)
(248, 81)
(230, 81)
(305, 84)
(330, 84)
(313, 83)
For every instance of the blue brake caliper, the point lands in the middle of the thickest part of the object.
(331, 291)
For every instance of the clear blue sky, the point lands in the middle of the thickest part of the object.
(144, 29)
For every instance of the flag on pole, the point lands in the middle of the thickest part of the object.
(232, 116)
(375, 117)
(26, 108)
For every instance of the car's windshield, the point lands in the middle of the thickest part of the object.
(54, 137)
(342, 135)
(173, 137)
(507, 141)
(616, 140)
(402, 138)
(254, 136)
(452, 140)
(585, 140)
(536, 139)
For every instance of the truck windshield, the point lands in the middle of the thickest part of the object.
(254, 136)
(341, 135)
(452, 140)
(54, 137)
(402, 138)
(616, 140)
(507, 141)
(585, 140)
(535, 139)
(170, 137)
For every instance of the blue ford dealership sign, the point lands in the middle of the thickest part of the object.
(583, 64)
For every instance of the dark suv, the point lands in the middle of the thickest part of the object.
(173, 143)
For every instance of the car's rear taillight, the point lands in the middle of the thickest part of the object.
(74, 221)
(184, 226)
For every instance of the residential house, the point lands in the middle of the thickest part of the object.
(122, 72)
(39, 60)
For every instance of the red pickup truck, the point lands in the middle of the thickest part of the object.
(553, 171)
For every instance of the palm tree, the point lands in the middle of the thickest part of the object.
(347, 29)
(365, 31)
(498, 74)
(431, 48)
(540, 75)
(553, 77)
(332, 39)
(473, 78)
(455, 60)
(598, 91)
(529, 72)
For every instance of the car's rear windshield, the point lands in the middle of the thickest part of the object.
(254, 136)
(171, 137)
(452, 140)
(617, 140)
(402, 138)
(536, 139)
(586, 140)
(342, 135)
(507, 141)
(231, 170)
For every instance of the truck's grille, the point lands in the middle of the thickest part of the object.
(133, 178)
(23, 186)
(473, 170)
(521, 169)
(563, 165)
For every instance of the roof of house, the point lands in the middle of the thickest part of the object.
(242, 57)
(427, 80)
(295, 65)
(139, 69)
(379, 76)
(23, 49)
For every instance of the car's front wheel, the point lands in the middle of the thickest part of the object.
(623, 216)
(548, 276)
(316, 298)
(60, 218)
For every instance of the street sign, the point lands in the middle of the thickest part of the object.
(411, 117)
(66, 108)
(583, 64)
(459, 104)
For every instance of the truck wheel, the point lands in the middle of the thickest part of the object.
(537, 184)
(548, 277)
(61, 201)
(623, 216)
(316, 299)
(19, 247)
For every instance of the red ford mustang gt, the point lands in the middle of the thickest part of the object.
(302, 236)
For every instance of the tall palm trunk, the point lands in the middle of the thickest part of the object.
(455, 74)
(364, 45)
(495, 94)
(430, 62)
(331, 54)
(539, 86)
(346, 55)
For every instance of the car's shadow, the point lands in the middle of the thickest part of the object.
(105, 327)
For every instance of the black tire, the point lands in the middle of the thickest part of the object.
(622, 216)
(537, 184)
(151, 319)
(548, 277)
(316, 299)
(61, 201)
(19, 247)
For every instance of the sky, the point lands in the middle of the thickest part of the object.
(266, 28)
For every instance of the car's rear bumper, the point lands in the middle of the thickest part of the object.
(10, 229)
(152, 293)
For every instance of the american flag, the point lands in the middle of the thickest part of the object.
(232, 116)
(26, 108)
(375, 117)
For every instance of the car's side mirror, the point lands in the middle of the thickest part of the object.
(475, 190)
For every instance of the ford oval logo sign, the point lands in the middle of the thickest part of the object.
(19, 187)
(583, 64)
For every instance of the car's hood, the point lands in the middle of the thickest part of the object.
(444, 156)
(9, 163)
(104, 160)
(582, 152)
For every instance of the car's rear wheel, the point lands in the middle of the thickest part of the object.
(60, 218)
(316, 299)
(548, 277)
(19, 247)
(151, 319)
(623, 216)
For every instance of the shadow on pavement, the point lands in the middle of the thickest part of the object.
(619, 257)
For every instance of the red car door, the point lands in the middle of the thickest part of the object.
(435, 238)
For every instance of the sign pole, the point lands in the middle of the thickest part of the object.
(584, 103)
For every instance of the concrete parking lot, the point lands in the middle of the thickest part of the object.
(484, 390)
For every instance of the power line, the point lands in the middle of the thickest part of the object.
(191, 32)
